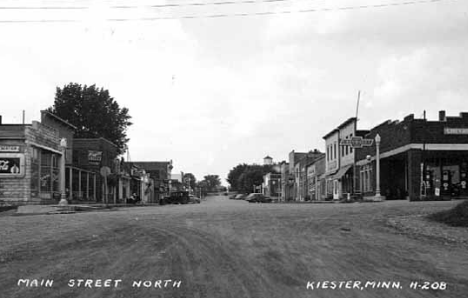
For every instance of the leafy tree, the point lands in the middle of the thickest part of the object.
(243, 177)
(190, 177)
(213, 182)
(234, 174)
(94, 112)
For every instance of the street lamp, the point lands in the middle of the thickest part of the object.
(377, 197)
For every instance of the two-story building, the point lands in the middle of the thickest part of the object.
(315, 179)
(340, 160)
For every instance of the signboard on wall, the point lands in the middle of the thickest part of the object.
(94, 157)
(356, 142)
(11, 165)
(4, 148)
(456, 131)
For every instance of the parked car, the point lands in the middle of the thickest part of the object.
(258, 198)
(232, 197)
(194, 200)
(177, 197)
(240, 197)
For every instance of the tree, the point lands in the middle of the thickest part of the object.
(212, 182)
(234, 174)
(190, 178)
(243, 177)
(94, 112)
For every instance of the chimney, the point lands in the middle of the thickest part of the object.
(442, 116)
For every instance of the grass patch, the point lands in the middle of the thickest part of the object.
(456, 217)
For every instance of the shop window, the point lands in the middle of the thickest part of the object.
(366, 179)
(49, 172)
(34, 172)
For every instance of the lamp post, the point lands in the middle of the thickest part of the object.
(377, 197)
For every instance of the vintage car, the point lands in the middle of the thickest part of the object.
(258, 198)
(176, 197)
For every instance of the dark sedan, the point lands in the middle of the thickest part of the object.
(258, 198)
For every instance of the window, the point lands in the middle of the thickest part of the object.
(334, 149)
(49, 172)
(366, 178)
(34, 172)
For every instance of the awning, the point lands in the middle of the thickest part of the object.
(341, 172)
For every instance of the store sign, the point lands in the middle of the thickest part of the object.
(4, 148)
(10, 166)
(456, 131)
(94, 156)
(356, 142)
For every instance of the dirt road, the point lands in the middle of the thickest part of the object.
(225, 248)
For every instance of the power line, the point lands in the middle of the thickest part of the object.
(145, 6)
(343, 8)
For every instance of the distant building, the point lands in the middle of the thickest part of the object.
(160, 172)
(316, 182)
(267, 160)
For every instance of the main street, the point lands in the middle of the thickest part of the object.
(228, 248)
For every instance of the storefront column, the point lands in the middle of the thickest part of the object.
(63, 195)
(87, 185)
(414, 175)
(70, 183)
(80, 196)
(94, 189)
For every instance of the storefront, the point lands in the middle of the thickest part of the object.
(31, 164)
(419, 159)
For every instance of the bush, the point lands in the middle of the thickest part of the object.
(456, 217)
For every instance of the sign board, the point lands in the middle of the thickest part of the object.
(357, 142)
(456, 131)
(95, 156)
(4, 148)
(12, 165)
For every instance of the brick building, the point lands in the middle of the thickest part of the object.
(419, 158)
(316, 179)
(32, 164)
(89, 156)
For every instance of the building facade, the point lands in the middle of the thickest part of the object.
(85, 179)
(32, 164)
(419, 159)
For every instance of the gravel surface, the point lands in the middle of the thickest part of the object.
(227, 248)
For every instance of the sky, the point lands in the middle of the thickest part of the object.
(209, 93)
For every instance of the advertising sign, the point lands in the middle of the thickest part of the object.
(11, 165)
(94, 156)
(456, 131)
(4, 148)
(357, 142)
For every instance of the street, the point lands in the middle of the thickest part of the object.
(229, 248)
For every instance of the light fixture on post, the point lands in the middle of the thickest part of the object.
(377, 196)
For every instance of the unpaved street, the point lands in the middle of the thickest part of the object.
(225, 248)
